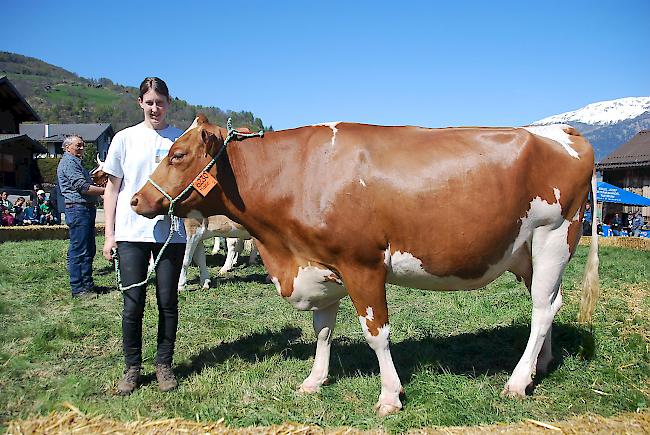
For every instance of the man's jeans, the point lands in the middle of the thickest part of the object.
(81, 220)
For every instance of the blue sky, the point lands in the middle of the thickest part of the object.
(294, 63)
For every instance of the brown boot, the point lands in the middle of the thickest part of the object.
(166, 378)
(130, 381)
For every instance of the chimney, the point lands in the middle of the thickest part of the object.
(47, 130)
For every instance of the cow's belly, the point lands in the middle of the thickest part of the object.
(406, 270)
(314, 288)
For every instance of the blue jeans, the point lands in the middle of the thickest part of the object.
(81, 221)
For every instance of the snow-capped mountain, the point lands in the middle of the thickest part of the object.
(607, 124)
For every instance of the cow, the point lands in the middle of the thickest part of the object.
(342, 209)
(198, 230)
(99, 177)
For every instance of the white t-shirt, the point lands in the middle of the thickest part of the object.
(133, 155)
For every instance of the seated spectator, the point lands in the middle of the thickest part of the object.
(5, 203)
(19, 206)
(31, 214)
(47, 215)
(6, 217)
(637, 224)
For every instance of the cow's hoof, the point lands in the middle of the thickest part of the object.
(384, 409)
(308, 388)
(513, 392)
(206, 284)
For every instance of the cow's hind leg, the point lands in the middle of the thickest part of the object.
(368, 293)
(190, 247)
(235, 246)
(550, 254)
(199, 260)
(324, 321)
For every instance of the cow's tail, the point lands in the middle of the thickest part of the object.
(590, 282)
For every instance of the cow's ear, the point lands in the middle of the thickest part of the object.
(201, 119)
(211, 140)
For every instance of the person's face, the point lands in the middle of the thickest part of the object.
(76, 148)
(154, 106)
(4, 195)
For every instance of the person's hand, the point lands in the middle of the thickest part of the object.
(109, 245)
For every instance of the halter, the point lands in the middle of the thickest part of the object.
(175, 221)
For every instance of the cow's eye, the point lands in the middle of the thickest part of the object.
(177, 156)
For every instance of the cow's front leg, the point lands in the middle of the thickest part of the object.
(368, 293)
(324, 321)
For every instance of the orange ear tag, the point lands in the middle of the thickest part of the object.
(204, 183)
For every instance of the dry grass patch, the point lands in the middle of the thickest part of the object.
(75, 421)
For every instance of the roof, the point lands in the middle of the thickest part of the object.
(632, 154)
(9, 138)
(11, 100)
(58, 132)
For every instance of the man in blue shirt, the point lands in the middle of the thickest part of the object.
(80, 197)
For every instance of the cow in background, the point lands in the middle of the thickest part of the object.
(198, 230)
(342, 209)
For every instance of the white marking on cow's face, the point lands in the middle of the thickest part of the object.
(555, 132)
(363, 183)
(370, 315)
(333, 126)
(275, 281)
(407, 270)
(315, 288)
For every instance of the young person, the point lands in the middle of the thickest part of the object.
(133, 155)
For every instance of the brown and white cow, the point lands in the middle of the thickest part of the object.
(199, 229)
(341, 209)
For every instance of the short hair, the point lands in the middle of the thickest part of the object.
(154, 84)
(69, 139)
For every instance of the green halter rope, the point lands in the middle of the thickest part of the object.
(175, 221)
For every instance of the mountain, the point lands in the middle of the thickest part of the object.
(607, 124)
(60, 96)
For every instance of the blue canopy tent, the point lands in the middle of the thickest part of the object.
(610, 193)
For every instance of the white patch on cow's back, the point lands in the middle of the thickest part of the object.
(407, 270)
(333, 126)
(314, 288)
(363, 183)
(555, 132)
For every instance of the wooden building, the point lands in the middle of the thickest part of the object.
(17, 166)
(628, 167)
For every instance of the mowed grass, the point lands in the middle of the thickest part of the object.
(242, 350)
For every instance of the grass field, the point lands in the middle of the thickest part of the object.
(242, 350)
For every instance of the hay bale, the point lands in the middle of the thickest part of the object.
(76, 422)
(38, 232)
(640, 243)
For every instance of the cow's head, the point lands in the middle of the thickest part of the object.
(186, 159)
(99, 177)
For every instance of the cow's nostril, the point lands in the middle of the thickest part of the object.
(134, 201)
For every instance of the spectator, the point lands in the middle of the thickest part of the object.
(637, 224)
(586, 220)
(80, 197)
(31, 214)
(4, 202)
(19, 207)
(6, 218)
(47, 216)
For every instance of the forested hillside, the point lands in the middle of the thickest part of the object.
(59, 96)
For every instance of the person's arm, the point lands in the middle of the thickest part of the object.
(110, 205)
(94, 190)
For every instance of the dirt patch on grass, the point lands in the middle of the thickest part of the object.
(76, 422)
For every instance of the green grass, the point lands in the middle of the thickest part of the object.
(63, 93)
(242, 350)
